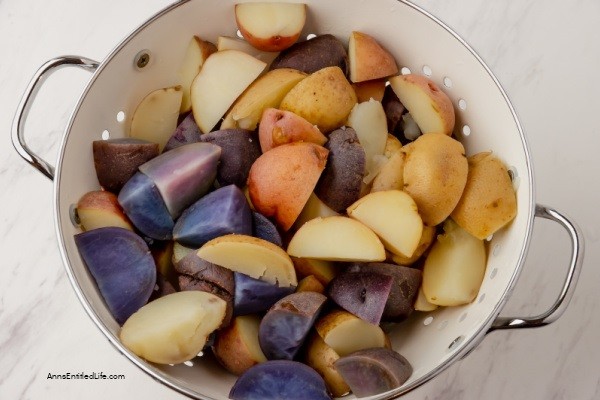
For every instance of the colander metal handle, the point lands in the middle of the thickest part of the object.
(560, 305)
(18, 127)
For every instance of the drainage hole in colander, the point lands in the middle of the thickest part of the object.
(443, 325)
(105, 135)
(310, 36)
(405, 71)
(466, 130)
(481, 298)
(74, 215)
(428, 321)
(496, 250)
(189, 363)
(462, 317)
(456, 342)
(427, 70)
(447, 82)
(494, 273)
(121, 116)
(462, 104)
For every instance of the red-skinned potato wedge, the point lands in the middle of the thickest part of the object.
(368, 59)
(236, 347)
(270, 26)
(279, 127)
(99, 209)
(282, 179)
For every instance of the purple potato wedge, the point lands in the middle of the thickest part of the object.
(143, 204)
(117, 160)
(405, 288)
(254, 295)
(341, 182)
(187, 132)
(184, 174)
(373, 371)
(198, 274)
(219, 213)
(363, 294)
(122, 266)
(285, 326)
(278, 380)
(263, 228)
(240, 148)
(314, 54)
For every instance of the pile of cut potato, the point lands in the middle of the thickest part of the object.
(281, 201)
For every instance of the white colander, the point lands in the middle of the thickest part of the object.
(149, 59)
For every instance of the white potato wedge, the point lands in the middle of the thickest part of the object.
(223, 77)
(429, 106)
(266, 92)
(313, 208)
(252, 256)
(345, 333)
(336, 238)
(321, 357)
(427, 238)
(393, 216)
(155, 118)
(196, 54)
(391, 175)
(270, 26)
(173, 328)
(369, 121)
(230, 43)
(421, 303)
(454, 267)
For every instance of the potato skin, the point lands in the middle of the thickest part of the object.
(314, 54)
(435, 174)
(488, 201)
(341, 180)
(324, 98)
(232, 351)
(117, 160)
(282, 179)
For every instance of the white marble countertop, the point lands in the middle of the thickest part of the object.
(545, 53)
